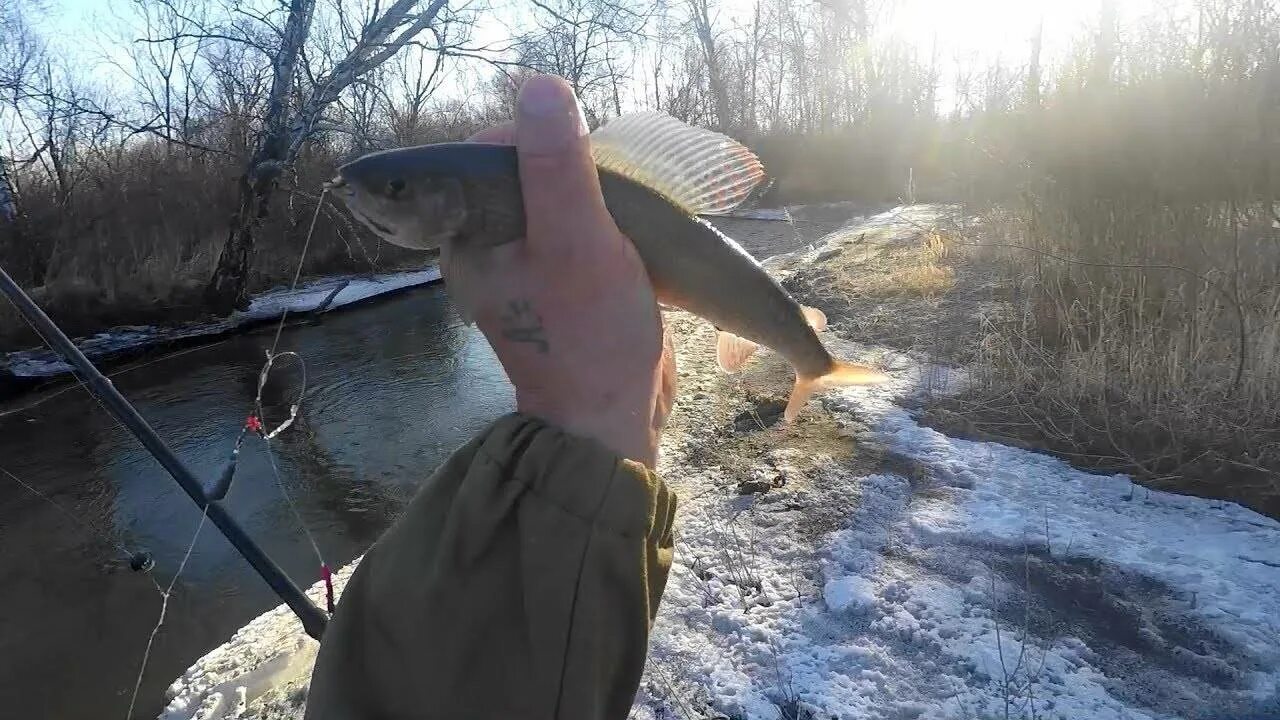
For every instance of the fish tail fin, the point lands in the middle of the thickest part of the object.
(732, 351)
(841, 374)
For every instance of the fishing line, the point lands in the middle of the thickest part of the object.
(139, 561)
(81, 523)
(143, 561)
(249, 425)
(74, 374)
(795, 230)
(254, 422)
(165, 594)
(297, 273)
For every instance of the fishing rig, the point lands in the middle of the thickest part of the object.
(314, 620)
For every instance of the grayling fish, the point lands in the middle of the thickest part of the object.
(657, 175)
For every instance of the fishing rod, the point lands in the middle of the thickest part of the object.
(313, 618)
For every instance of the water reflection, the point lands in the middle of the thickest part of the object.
(392, 389)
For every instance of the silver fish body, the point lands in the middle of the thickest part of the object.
(465, 193)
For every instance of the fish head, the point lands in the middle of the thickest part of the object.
(403, 197)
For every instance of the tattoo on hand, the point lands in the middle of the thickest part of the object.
(521, 324)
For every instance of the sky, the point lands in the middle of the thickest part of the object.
(973, 32)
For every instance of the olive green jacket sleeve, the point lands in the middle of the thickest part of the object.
(520, 582)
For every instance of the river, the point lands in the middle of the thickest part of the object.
(393, 387)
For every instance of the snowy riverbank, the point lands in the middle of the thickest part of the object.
(861, 565)
(123, 341)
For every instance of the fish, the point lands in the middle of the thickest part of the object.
(659, 177)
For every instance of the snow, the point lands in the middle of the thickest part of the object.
(987, 581)
(45, 363)
(993, 582)
(271, 304)
(257, 666)
(849, 591)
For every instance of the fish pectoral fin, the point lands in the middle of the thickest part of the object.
(817, 319)
(702, 171)
(732, 352)
(842, 374)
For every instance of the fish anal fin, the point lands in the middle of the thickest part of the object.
(817, 319)
(702, 171)
(800, 394)
(842, 374)
(732, 351)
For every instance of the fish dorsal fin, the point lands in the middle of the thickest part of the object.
(702, 171)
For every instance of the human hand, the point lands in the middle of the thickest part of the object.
(569, 309)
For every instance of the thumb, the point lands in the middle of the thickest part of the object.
(558, 178)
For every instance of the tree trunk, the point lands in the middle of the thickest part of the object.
(228, 288)
(1032, 92)
(8, 199)
(715, 78)
(1105, 48)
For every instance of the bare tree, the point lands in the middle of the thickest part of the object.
(587, 42)
(166, 65)
(59, 120)
(380, 35)
(416, 77)
(237, 84)
(700, 17)
(1106, 45)
(19, 50)
(1032, 92)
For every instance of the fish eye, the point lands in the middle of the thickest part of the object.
(395, 187)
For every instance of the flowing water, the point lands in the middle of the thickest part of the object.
(393, 387)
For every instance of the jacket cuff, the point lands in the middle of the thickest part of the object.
(580, 475)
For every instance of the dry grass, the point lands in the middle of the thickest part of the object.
(914, 269)
(1148, 343)
(925, 280)
(899, 261)
(137, 232)
(1124, 336)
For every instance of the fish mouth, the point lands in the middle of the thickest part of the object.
(378, 227)
(338, 183)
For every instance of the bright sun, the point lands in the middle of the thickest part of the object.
(981, 31)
